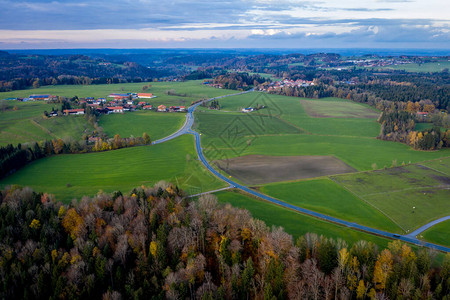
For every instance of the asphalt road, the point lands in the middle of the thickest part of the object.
(410, 238)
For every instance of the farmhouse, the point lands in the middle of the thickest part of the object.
(74, 111)
(119, 96)
(115, 109)
(145, 95)
(147, 107)
(177, 108)
(162, 108)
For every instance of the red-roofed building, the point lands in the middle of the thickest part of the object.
(144, 95)
(74, 111)
(162, 108)
(147, 107)
(115, 109)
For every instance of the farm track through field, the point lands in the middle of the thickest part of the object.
(187, 129)
(43, 128)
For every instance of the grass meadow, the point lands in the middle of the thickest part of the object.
(27, 124)
(157, 125)
(412, 195)
(438, 234)
(423, 68)
(75, 175)
(328, 197)
(293, 222)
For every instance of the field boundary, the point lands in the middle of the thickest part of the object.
(442, 187)
(43, 128)
(371, 204)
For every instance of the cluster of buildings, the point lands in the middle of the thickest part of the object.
(44, 97)
(286, 83)
(131, 96)
(163, 108)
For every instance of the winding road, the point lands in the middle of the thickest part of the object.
(187, 129)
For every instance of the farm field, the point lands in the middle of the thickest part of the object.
(291, 110)
(183, 93)
(438, 234)
(27, 124)
(261, 169)
(425, 67)
(294, 223)
(328, 197)
(352, 140)
(412, 195)
(75, 175)
(156, 125)
(337, 109)
(360, 153)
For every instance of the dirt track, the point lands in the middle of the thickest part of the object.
(260, 169)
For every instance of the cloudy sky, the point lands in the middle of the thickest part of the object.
(40, 24)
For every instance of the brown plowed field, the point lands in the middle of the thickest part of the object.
(261, 169)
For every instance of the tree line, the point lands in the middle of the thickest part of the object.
(154, 243)
(238, 81)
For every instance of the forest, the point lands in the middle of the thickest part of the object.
(155, 243)
(24, 71)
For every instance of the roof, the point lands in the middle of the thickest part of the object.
(162, 106)
(145, 94)
(39, 96)
(73, 110)
(115, 107)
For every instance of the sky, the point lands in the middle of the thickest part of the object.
(67, 24)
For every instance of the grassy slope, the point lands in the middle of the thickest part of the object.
(157, 125)
(438, 234)
(27, 124)
(194, 90)
(328, 197)
(293, 222)
(117, 170)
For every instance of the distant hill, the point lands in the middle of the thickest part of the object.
(20, 71)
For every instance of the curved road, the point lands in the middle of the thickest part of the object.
(427, 226)
(410, 238)
(190, 119)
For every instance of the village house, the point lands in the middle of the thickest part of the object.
(148, 107)
(144, 95)
(115, 109)
(162, 108)
(177, 108)
(79, 111)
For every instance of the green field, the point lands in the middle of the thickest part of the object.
(27, 124)
(438, 234)
(353, 140)
(328, 197)
(294, 223)
(75, 175)
(188, 91)
(155, 124)
(412, 195)
(425, 67)
(338, 109)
